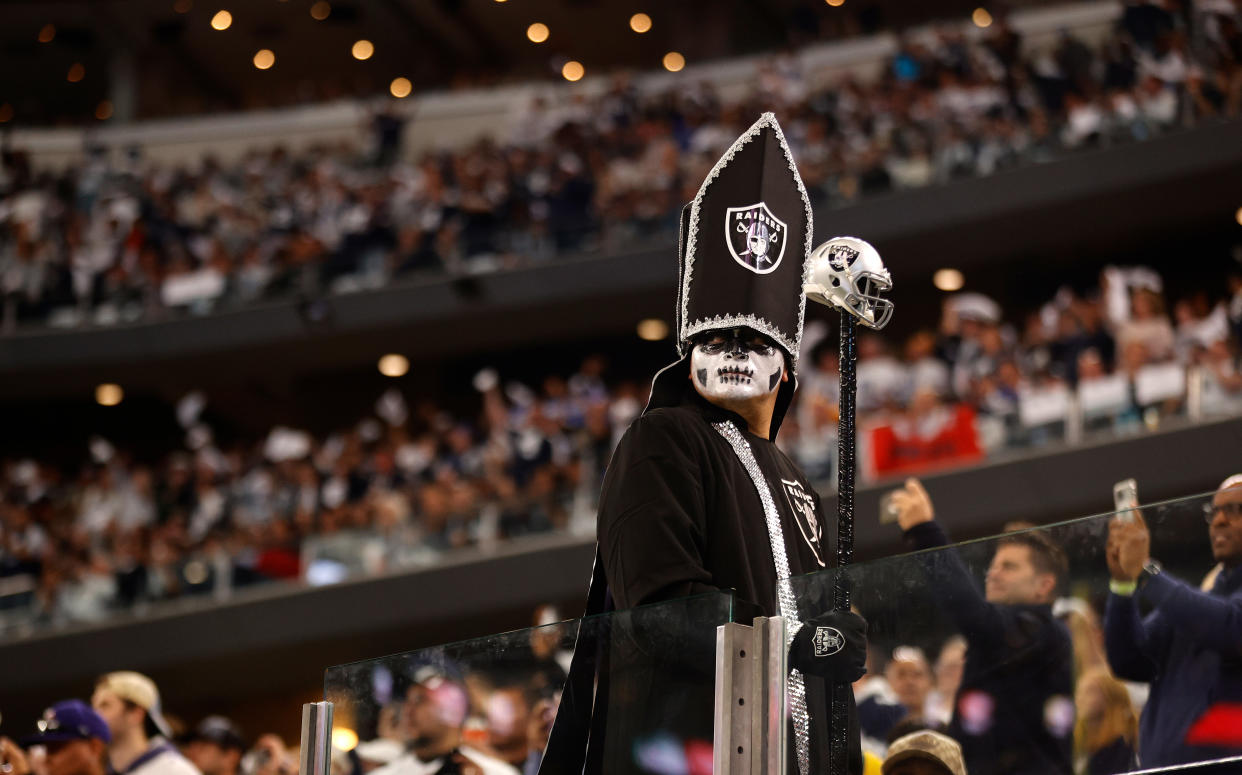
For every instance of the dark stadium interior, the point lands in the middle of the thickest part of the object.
(191, 68)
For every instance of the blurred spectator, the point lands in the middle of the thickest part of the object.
(436, 708)
(1106, 732)
(1186, 646)
(924, 753)
(942, 698)
(1014, 709)
(215, 746)
(130, 704)
(111, 243)
(909, 675)
(74, 740)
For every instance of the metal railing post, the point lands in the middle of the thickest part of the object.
(316, 756)
(750, 725)
(735, 700)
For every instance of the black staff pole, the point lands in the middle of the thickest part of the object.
(840, 726)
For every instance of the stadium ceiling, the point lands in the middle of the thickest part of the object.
(164, 58)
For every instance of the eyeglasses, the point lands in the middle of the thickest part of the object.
(1232, 511)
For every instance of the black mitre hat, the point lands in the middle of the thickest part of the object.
(743, 257)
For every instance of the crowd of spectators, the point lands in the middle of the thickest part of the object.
(1102, 358)
(109, 242)
(119, 533)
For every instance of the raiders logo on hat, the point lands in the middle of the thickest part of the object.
(756, 237)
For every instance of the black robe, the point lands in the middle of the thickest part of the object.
(679, 515)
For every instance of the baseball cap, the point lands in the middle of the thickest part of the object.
(69, 720)
(929, 745)
(141, 691)
(218, 730)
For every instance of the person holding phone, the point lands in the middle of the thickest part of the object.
(1189, 647)
(1013, 713)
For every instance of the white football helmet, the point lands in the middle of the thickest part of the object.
(847, 273)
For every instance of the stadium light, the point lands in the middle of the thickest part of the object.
(47, 34)
(640, 23)
(6, 113)
(537, 32)
(394, 365)
(103, 111)
(1236, 216)
(981, 18)
(674, 62)
(320, 10)
(109, 394)
(573, 71)
(400, 88)
(652, 330)
(363, 49)
(948, 280)
(222, 20)
(76, 73)
(836, 3)
(344, 739)
(264, 58)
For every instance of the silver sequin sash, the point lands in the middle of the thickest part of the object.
(784, 595)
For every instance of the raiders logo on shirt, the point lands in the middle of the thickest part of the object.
(802, 503)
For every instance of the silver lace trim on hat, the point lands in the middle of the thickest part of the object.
(796, 689)
(789, 341)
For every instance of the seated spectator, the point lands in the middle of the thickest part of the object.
(130, 704)
(1106, 731)
(948, 672)
(1222, 382)
(436, 708)
(74, 739)
(215, 746)
(1147, 325)
(909, 676)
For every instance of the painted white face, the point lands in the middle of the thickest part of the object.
(736, 365)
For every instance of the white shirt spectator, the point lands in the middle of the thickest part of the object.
(161, 759)
(410, 764)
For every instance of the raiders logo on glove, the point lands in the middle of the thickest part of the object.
(832, 646)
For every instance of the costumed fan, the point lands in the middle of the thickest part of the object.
(697, 497)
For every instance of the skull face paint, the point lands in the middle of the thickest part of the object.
(736, 365)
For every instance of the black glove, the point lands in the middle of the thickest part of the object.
(832, 646)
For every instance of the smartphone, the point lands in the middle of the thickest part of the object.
(1125, 499)
(888, 509)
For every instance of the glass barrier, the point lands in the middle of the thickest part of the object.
(1016, 647)
(489, 704)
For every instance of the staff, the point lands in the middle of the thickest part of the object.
(848, 274)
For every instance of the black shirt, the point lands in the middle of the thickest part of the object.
(679, 515)
(1014, 711)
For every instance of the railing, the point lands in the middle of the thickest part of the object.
(1029, 672)
(494, 699)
